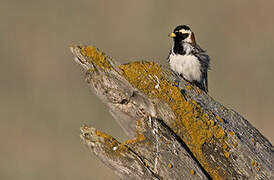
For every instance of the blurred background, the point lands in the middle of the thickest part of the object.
(44, 98)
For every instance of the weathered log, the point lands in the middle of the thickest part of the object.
(179, 131)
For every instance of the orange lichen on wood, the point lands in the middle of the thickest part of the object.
(236, 144)
(254, 163)
(199, 91)
(189, 87)
(140, 138)
(191, 123)
(96, 56)
(253, 140)
(232, 133)
(220, 133)
(139, 122)
(104, 135)
(225, 146)
(211, 122)
(227, 154)
(130, 141)
(220, 119)
(111, 141)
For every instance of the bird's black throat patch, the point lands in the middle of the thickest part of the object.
(178, 47)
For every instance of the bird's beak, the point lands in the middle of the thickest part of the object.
(172, 35)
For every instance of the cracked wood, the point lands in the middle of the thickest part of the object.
(179, 131)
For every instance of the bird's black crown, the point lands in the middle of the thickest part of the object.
(178, 28)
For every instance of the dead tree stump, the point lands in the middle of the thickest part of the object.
(179, 132)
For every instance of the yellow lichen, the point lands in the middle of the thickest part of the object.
(211, 122)
(192, 123)
(236, 144)
(189, 87)
(253, 140)
(199, 91)
(254, 163)
(96, 56)
(232, 133)
(139, 122)
(141, 137)
(129, 141)
(111, 141)
(104, 135)
(225, 146)
(220, 119)
(220, 133)
(227, 154)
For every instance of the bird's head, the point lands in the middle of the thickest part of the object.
(183, 34)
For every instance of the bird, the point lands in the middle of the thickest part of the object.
(187, 58)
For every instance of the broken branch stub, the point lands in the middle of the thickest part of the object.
(180, 132)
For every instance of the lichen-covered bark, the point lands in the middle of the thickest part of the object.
(126, 163)
(179, 130)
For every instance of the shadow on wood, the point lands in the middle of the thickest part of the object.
(177, 130)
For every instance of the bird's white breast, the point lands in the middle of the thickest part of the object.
(186, 65)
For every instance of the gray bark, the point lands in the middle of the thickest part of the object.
(178, 131)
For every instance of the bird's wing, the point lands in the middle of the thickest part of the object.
(202, 56)
(205, 63)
